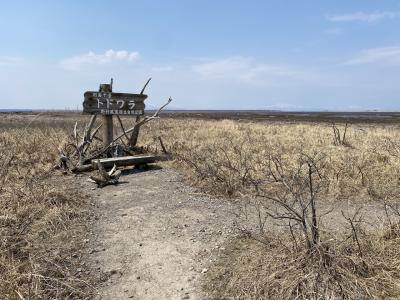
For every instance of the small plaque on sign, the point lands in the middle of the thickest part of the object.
(106, 103)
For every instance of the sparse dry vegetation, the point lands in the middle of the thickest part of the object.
(43, 217)
(334, 270)
(220, 156)
(284, 171)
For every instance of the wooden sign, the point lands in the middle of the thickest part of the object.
(107, 103)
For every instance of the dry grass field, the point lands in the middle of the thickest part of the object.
(284, 171)
(223, 154)
(43, 217)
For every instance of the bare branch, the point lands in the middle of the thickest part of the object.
(141, 93)
(122, 127)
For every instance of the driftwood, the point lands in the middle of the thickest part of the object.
(106, 178)
(141, 93)
(135, 129)
(128, 160)
(82, 168)
(63, 161)
(80, 148)
(162, 145)
(122, 127)
(121, 162)
(79, 155)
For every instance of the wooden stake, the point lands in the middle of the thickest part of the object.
(162, 145)
(107, 119)
(107, 130)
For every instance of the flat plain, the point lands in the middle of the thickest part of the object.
(306, 203)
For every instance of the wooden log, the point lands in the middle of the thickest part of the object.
(128, 160)
(82, 168)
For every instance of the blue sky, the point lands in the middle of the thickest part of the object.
(293, 55)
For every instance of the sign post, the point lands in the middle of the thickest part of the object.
(107, 104)
(108, 129)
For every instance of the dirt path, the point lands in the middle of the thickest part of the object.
(154, 236)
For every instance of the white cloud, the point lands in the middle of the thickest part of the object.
(91, 58)
(245, 69)
(364, 17)
(383, 55)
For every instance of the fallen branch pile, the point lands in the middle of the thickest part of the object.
(82, 152)
(106, 178)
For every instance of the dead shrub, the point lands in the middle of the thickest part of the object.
(333, 270)
(339, 139)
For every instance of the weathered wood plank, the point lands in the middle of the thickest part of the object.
(108, 103)
(128, 160)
